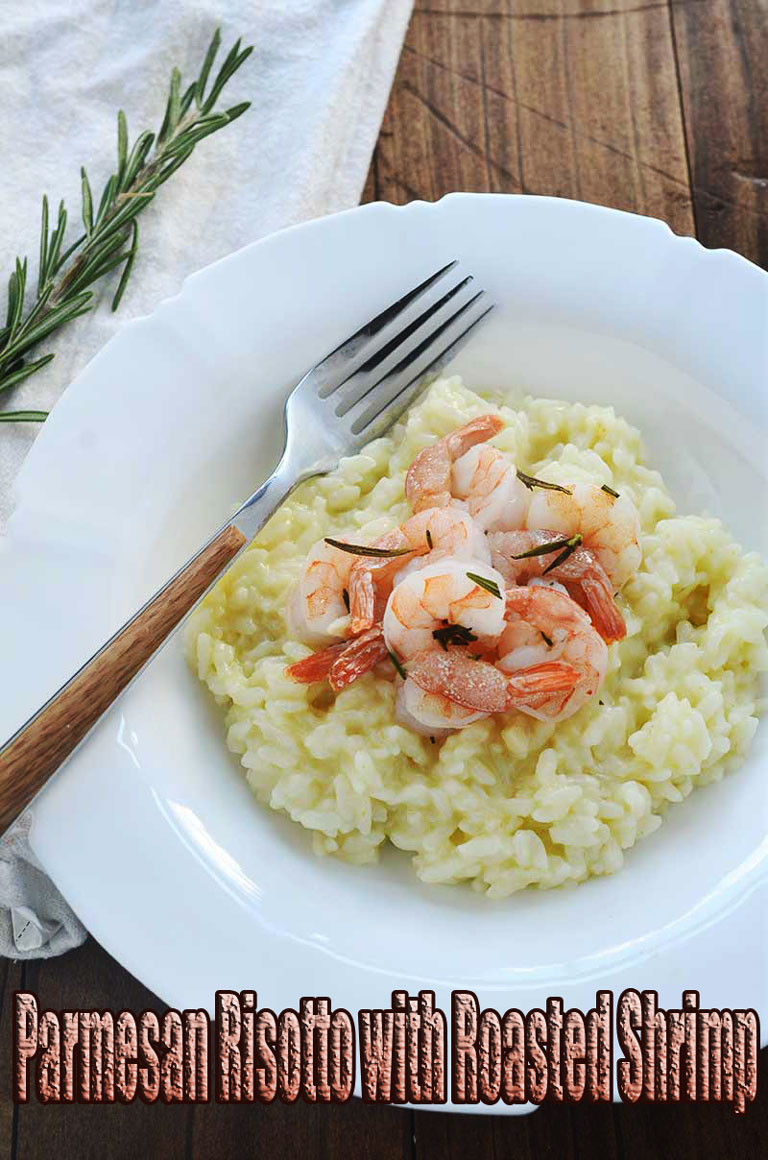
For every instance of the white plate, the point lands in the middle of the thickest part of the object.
(150, 831)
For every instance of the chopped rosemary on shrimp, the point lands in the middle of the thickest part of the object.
(489, 585)
(605, 487)
(401, 671)
(572, 545)
(551, 546)
(531, 481)
(363, 550)
(453, 634)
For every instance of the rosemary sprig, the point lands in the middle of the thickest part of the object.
(111, 235)
(531, 481)
(362, 550)
(453, 634)
(401, 671)
(489, 585)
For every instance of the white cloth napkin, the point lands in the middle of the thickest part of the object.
(318, 81)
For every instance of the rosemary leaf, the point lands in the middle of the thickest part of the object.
(550, 546)
(172, 109)
(531, 481)
(610, 490)
(401, 671)
(122, 146)
(131, 258)
(489, 585)
(56, 240)
(87, 201)
(15, 304)
(136, 159)
(23, 416)
(22, 373)
(228, 69)
(453, 634)
(202, 79)
(43, 260)
(187, 99)
(362, 550)
(572, 545)
(107, 197)
(237, 111)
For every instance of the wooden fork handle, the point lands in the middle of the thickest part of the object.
(39, 748)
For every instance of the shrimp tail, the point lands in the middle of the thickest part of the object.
(359, 657)
(341, 663)
(529, 685)
(317, 666)
(477, 430)
(603, 610)
(362, 601)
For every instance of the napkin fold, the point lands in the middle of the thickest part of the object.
(318, 80)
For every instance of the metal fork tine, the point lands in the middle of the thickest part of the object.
(365, 378)
(386, 324)
(394, 393)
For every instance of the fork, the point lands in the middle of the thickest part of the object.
(353, 396)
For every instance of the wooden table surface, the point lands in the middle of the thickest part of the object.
(660, 107)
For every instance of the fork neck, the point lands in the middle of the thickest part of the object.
(258, 508)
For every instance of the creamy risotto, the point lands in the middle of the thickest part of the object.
(509, 801)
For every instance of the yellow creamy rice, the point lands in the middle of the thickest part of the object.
(509, 801)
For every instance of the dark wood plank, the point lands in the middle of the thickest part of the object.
(574, 98)
(11, 979)
(284, 1133)
(89, 977)
(722, 52)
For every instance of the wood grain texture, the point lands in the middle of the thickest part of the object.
(35, 753)
(573, 98)
(722, 49)
(644, 104)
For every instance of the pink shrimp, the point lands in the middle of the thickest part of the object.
(547, 629)
(341, 663)
(443, 597)
(581, 573)
(317, 611)
(428, 482)
(608, 522)
(486, 479)
(449, 690)
(434, 533)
